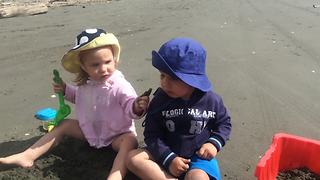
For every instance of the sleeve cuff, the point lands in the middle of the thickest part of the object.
(216, 143)
(167, 161)
(131, 112)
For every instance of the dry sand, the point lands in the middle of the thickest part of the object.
(263, 59)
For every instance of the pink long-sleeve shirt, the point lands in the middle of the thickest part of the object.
(104, 109)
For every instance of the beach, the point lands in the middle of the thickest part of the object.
(263, 58)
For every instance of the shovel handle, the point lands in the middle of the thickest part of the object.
(57, 79)
(63, 108)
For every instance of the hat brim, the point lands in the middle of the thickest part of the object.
(199, 81)
(71, 62)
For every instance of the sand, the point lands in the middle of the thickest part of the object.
(262, 58)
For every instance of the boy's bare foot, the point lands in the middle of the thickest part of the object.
(17, 159)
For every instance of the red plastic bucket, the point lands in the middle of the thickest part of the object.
(288, 152)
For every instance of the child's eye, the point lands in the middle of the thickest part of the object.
(174, 78)
(107, 62)
(162, 75)
(95, 65)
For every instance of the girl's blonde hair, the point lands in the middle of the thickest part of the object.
(81, 78)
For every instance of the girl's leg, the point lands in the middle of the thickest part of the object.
(140, 162)
(27, 157)
(122, 144)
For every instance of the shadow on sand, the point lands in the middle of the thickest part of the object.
(71, 159)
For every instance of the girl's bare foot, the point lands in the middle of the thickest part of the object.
(17, 159)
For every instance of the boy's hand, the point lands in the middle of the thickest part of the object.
(141, 103)
(207, 151)
(59, 87)
(178, 166)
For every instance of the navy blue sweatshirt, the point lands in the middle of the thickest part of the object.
(176, 127)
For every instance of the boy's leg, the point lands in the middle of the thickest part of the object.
(122, 144)
(27, 157)
(141, 163)
(203, 169)
(195, 174)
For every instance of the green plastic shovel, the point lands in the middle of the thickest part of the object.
(64, 109)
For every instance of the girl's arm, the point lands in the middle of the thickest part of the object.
(70, 93)
(141, 103)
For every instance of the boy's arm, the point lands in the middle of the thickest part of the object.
(221, 128)
(154, 135)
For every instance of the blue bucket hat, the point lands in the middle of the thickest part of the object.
(185, 59)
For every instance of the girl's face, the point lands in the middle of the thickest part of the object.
(175, 88)
(98, 63)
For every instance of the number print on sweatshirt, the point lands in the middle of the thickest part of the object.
(170, 125)
(197, 118)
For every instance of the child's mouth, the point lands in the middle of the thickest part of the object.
(104, 76)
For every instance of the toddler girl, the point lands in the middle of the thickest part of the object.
(105, 103)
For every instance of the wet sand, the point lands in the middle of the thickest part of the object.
(263, 59)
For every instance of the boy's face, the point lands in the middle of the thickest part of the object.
(175, 88)
(98, 63)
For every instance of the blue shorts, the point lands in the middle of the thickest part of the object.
(209, 166)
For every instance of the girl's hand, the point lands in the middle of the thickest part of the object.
(178, 166)
(207, 151)
(141, 103)
(59, 87)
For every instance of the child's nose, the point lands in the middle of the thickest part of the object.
(103, 68)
